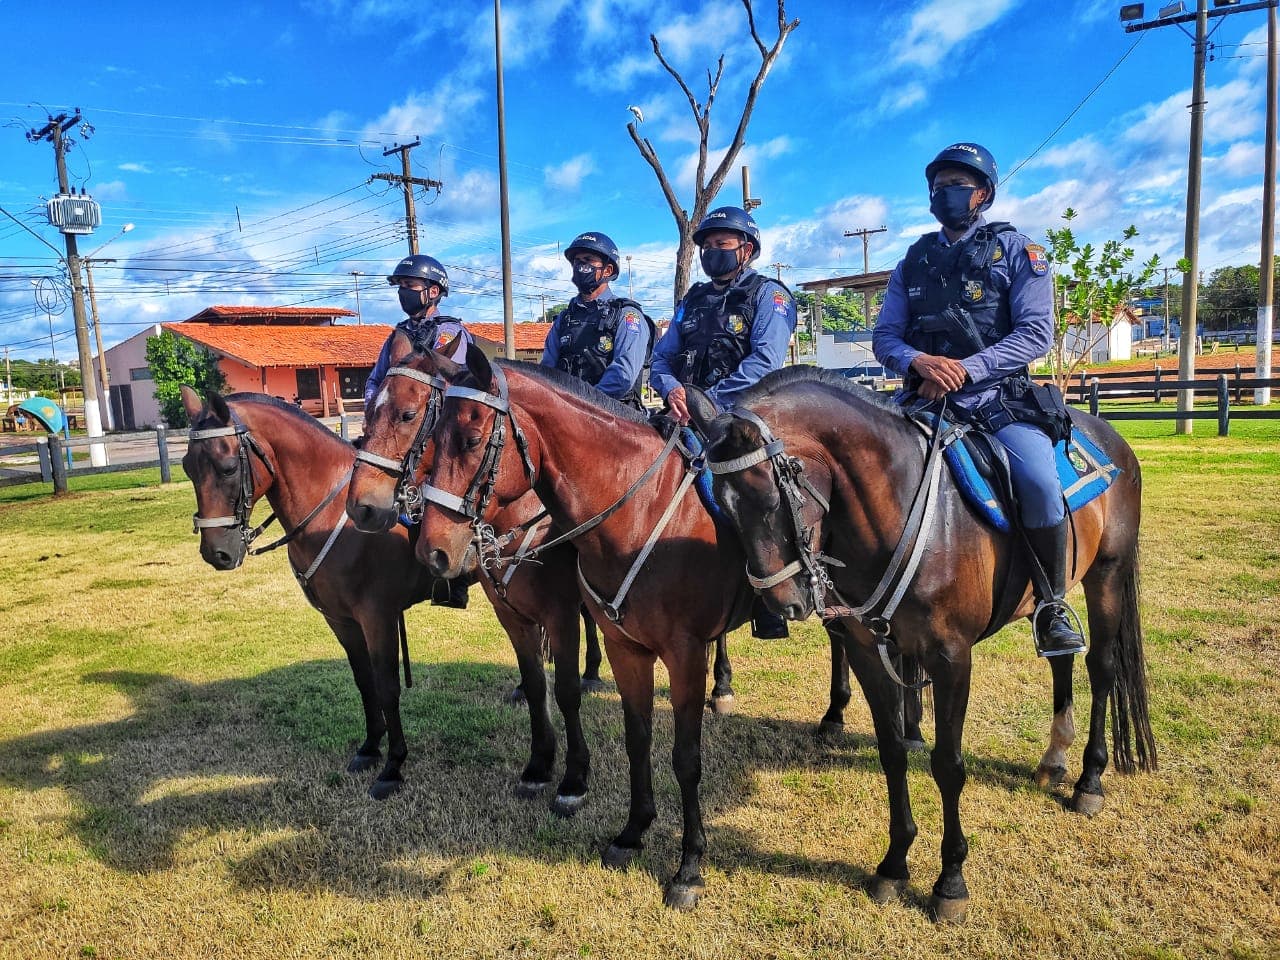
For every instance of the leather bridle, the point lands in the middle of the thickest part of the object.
(245, 444)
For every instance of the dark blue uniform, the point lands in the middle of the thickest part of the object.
(605, 341)
(429, 334)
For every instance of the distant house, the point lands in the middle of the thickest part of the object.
(1102, 344)
(848, 352)
(530, 338)
(299, 354)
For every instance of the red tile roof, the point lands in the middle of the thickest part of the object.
(529, 336)
(292, 315)
(288, 346)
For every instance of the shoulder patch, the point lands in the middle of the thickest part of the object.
(1038, 259)
(632, 319)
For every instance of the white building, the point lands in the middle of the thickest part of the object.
(1101, 343)
(133, 399)
(848, 352)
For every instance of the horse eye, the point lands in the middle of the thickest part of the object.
(227, 470)
(472, 442)
(408, 415)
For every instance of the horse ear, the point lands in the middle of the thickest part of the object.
(401, 345)
(702, 409)
(218, 407)
(192, 403)
(479, 366)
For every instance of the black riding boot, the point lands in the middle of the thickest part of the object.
(457, 595)
(765, 624)
(1055, 635)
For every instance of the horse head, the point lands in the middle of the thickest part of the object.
(396, 436)
(219, 462)
(755, 486)
(476, 466)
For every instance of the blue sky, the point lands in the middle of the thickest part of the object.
(281, 112)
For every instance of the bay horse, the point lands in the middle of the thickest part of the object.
(802, 436)
(660, 577)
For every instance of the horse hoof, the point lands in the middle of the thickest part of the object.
(1088, 804)
(915, 746)
(594, 685)
(829, 731)
(948, 910)
(618, 858)
(566, 805)
(531, 789)
(722, 705)
(1048, 778)
(515, 698)
(885, 889)
(381, 789)
(682, 896)
(363, 762)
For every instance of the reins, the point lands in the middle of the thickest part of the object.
(406, 494)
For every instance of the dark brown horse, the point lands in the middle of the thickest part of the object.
(660, 577)
(824, 439)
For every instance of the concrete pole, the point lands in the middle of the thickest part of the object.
(1266, 268)
(508, 319)
(97, 337)
(1190, 282)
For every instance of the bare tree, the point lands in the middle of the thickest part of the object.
(705, 189)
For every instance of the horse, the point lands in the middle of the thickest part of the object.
(804, 439)
(531, 600)
(659, 575)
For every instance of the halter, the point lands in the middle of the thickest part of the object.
(244, 496)
(406, 494)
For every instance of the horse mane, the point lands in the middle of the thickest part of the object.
(288, 409)
(577, 387)
(774, 381)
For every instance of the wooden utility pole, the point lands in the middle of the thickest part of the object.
(779, 267)
(407, 182)
(508, 318)
(865, 232)
(359, 314)
(1267, 267)
(749, 202)
(97, 336)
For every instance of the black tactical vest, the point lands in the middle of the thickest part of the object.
(587, 330)
(715, 330)
(423, 332)
(958, 305)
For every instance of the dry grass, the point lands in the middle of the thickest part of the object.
(171, 741)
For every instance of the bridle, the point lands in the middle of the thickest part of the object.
(245, 444)
(407, 495)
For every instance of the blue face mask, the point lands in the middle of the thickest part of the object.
(717, 262)
(585, 276)
(950, 206)
(413, 301)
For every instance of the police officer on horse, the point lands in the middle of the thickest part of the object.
(726, 334)
(421, 283)
(966, 311)
(604, 339)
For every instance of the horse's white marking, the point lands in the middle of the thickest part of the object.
(1062, 733)
(380, 399)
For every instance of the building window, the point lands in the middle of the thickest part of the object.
(140, 373)
(351, 382)
(308, 384)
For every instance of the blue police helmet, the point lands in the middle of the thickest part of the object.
(423, 268)
(971, 156)
(595, 242)
(729, 218)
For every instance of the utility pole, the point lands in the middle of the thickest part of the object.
(1166, 307)
(864, 233)
(749, 202)
(97, 336)
(8, 378)
(630, 294)
(1267, 267)
(407, 182)
(359, 315)
(779, 267)
(508, 318)
(55, 132)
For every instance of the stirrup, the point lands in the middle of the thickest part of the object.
(1059, 605)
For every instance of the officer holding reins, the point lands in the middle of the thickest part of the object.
(421, 283)
(604, 339)
(966, 311)
(726, 334)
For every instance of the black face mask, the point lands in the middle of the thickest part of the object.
(950, 206)
(413, 301)
(717, 262)
(586, 277)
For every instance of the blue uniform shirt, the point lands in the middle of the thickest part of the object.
(1030, 311)
(630, 347)
(444, 333)
(773, 323)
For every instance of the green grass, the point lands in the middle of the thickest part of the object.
(172, 745)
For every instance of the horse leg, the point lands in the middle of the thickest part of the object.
(591, 682)
(688, 687)
(722, 670)
(884, 697)
(382, 639)
(351, 637)
(832, 723)
(561, 626)
(951, 678)
(912, 707)
(1062, 732)
(633, 673)
(526, 641)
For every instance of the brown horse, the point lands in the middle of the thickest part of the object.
(661, 578)
(842, 444)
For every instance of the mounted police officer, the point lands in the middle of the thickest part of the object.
(726, 334)
(966, 310)
(421, 283)
(602, 338)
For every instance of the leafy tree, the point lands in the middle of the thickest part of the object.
(1089, 286)
(176, 361)
(840, 311)
(1230, 298)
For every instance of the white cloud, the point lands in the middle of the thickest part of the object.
(1242, 159)
(899, 98)
(569, 175)
(233, 80)
(937, 28)
(135, 167)
(423, 114)
(111, 190)
(752, 155)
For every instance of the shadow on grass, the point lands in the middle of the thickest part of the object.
(248, 773)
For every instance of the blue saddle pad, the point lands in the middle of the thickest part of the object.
(702, 483)
(1083, 469)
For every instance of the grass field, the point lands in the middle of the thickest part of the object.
(172, 741)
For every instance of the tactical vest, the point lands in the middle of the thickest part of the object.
(587, 332)
(423, 332)
(958, 306)
(715, 330)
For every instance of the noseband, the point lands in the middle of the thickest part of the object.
(244, 496)
(406, 494)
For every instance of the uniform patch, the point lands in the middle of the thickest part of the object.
(606, 343)
(631, 319)
(737, 323)
(973, 291)
(1038, 259)
(997, 255)
(779, 297)
(441, 340)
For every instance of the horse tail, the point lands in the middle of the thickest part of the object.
(1130, 720)
(404, 649)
